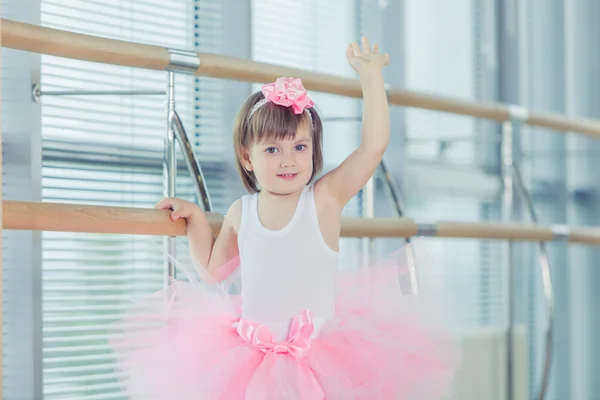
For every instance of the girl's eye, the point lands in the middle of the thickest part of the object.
(271, 150)
(300, 147)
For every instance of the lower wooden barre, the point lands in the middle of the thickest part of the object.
(41, 216)
(58, 217)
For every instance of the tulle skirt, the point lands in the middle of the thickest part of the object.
(189, 342)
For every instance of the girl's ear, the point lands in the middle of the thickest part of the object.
(246, 160)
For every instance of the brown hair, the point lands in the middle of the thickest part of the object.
(275, 122)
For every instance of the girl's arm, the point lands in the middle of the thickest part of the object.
(206, 250)
(225, 247)
(342, 183)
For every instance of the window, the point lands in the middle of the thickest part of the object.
(443, 56)
(108, 150)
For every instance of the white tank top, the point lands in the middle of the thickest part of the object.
(288, 270)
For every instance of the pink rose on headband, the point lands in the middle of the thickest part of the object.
(288, 92)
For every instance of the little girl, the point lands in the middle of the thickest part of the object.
(299, 329)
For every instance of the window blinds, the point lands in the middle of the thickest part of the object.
(108, 150)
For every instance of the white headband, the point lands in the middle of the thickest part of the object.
(265, 101)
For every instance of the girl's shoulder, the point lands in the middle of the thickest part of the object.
(234, 215)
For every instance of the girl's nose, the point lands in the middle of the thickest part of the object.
(287, 161)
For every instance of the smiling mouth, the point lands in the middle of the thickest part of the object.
(287, 177)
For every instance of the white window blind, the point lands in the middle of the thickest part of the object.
(108, 150)
(441, 57)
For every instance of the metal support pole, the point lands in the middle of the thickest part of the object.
(193, 167)
(186, 62)
(511, 176)
(398, 204)
(546, 284)
(508, 215)
(170, 171)
(520, 115)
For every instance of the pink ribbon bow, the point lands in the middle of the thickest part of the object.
(288, 92)
(298, 341)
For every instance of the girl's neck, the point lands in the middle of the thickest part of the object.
(274, 208)
(266, 196)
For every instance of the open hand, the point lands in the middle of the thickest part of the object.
(368, 61)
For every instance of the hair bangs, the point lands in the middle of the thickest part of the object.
(273, 122)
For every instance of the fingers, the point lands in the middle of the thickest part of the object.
(175, 215)
(355, 54)
(350, 52)
(366, 46)
(179, 208)
(356, 49)
(164, 204)
(170, 204)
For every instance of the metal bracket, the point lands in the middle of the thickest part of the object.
(184, 61)
(36, 92)
(560, 232)
(427, 229)
(518, 114)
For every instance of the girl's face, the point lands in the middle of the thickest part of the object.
(282, 166)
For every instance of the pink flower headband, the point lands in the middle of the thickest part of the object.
(287, 92)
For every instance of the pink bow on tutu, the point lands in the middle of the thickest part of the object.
(288, 92)
(298, 341)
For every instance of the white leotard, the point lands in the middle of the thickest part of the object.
(288, 270)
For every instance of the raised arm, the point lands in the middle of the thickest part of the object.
(345, 181)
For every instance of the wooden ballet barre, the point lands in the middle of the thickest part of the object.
(42, 216)
(44, 40)
(56, 42)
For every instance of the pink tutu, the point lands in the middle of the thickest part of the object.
(188, 342)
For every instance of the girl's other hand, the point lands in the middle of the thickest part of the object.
(180, 208)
